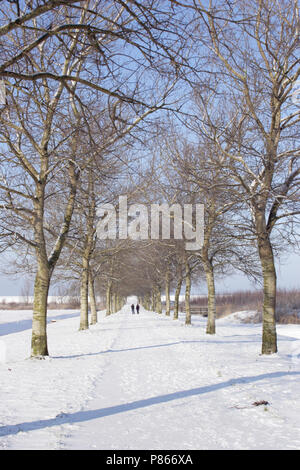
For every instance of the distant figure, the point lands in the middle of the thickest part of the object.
(132, 308)
(137, 308)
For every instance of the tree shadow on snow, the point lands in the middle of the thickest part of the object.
(22, 325)
(83, 416)
(152, 346)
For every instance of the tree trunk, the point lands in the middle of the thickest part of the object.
(153, 300)
(148, 302)
(158, 300)
(145, 301)
(114, 302)
(117, 302)
(84, 306)
(94, 318)
(39, 345)
(269, 336)
(176, 300)
(87, 252)
(211, 295)
(187, 293)
(46, 266)
(168, 294)
(108, 299)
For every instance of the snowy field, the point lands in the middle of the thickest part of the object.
(147, 382)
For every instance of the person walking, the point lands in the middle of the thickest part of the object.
(132, 308)
(137, 308)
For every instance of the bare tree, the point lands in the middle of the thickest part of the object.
(31, 159)
(196, 171)
(253, 57)
(51, 64)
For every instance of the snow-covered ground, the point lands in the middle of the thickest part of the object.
(147, 382)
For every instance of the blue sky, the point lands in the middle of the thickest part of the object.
(288, 277)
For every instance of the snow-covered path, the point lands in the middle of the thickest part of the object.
(167, 387)
(148, 382)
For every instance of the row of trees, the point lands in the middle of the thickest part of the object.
(171, 102)
(76, 77)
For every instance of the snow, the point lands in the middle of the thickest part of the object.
(147, 382)
(242, 316)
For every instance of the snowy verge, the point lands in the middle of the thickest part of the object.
(33, 390)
